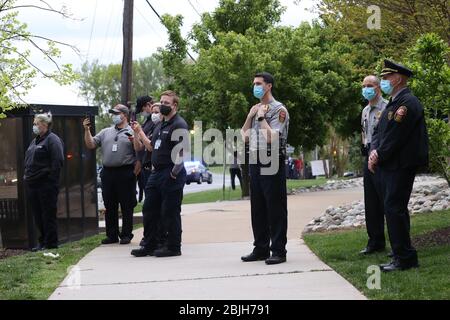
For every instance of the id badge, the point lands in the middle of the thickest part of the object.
(114, 148)
(157, 144)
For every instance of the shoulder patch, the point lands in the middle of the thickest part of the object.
(401, 114)
(282, 115)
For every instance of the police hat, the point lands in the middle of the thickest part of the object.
(392, 67)
(141, 101)
(120, 108)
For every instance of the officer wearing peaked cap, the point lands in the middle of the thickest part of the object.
(399, 151)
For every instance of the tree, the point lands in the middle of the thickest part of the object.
(17, 70)
(402, 22)
(100, 84)
(316, 76)
(431, 83)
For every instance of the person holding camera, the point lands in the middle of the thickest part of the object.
(118, 174)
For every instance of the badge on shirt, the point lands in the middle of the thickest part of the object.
(378, 115)
(114, 147)
(401, 114)
(157, 144)
(390, 115)
(282, 116)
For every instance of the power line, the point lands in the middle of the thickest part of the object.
(160, 19)
(107, 32)
(92, 29)
(193, 7)
(149, 24)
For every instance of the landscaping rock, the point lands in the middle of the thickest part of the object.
(430, 194)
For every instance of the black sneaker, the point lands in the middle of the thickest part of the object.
(142, 243)
(276, 259)
(165, 252)
(38, 248)
(50, 247)
(254, 257)
(109, 241)
(125, 240)
(143, 252)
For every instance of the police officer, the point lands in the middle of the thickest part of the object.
(150, 110)
(144, 107)
(118, 174)
(164, 189)
(266, 125)
(399, 151)
(372, 184)
(44, 159)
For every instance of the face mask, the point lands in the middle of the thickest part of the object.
(36, 130)
(165, 110)
(369, 93)
(156, 118)
(116, 119)
(145, 114)
(386, 86)
(258, 92)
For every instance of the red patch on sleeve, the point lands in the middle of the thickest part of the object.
(282, 116)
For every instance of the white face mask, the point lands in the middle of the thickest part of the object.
(36, 130)
(156, 118)
(117, 119)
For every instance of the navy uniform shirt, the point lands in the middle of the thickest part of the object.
(44, 159)
(162, 141)
(401, 135)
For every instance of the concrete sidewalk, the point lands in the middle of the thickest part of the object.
(214, 237)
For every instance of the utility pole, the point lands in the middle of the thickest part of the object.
(127, 61)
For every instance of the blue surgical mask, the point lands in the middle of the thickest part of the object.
(369, 93)
(145, 114)
(116, 119)
(36, 130)
(258, 92)
(386, 87)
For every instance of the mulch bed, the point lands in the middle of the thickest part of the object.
(436, 238)
(6, 253)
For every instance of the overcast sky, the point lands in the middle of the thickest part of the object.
(99, 35)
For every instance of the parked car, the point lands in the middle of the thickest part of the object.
(350, 174)
(197, 172)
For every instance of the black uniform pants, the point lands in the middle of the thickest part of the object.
(43, 198)
(162, 209)
(374, 208)
(161, 233)
(119, 187)
(268, 198)
(397, 187)
(235, 172)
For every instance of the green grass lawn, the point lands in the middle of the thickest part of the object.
(431, 281)
(230, 195)
(34, 277)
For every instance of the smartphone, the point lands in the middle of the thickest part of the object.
(133, 116)
(88, 116)
(128, 134)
